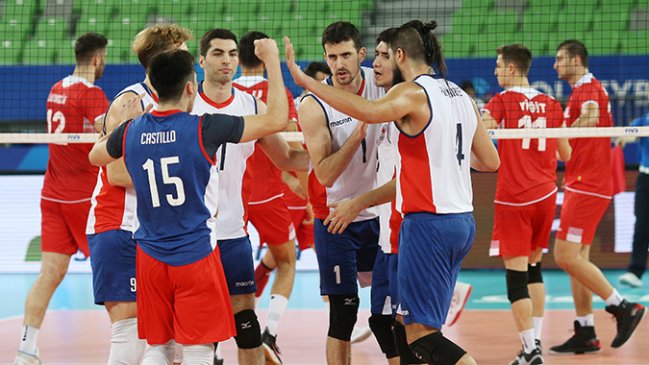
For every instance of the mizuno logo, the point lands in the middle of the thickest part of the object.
(246, 325)
(350, 301)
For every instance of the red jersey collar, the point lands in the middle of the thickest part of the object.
(212, 102)
(165, 113)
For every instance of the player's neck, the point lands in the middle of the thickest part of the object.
(85, 71)
(253, 71)
(147, 82)
(521, 81)
(411, 71)
(580, 72)
(217, 92)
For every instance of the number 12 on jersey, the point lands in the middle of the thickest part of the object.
(527, 122)
(149, 167)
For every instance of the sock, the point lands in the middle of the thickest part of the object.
(538, 326)
(159, 354)
(614, 299)
(587, 320)
(527, 337)
(28, 340)
(217, 352)
(125, 347)
(262, 274)
(276, 310)
(198, 354)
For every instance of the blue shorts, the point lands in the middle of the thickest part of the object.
(112, 259)
(236, 258)
(384, 295)
(431, 249)
(342, 256)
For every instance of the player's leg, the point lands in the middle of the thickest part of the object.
(638, 259)
(381, 320)
(536, 288)
(262, 272)
(248, 338)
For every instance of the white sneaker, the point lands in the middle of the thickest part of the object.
(461, 295)
(360, 334)
(630, 279)
(23, 358)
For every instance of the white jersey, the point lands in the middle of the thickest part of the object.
(114, 207)
(388, 155)
(232, 159)
(360, 175)
(433, 169)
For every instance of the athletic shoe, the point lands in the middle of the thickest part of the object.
(627, 315)
(360, 334)
(271, 351)
(533, 358)
(538, 346)
(583, 341)
(23, 358)
(630, 279)
(461, 295)
(218, 361)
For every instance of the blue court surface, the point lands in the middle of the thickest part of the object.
(75, 293)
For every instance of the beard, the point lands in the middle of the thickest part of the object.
(397, 76)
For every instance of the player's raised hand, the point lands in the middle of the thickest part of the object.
(266, 50)
(133, 108)
(300, 77)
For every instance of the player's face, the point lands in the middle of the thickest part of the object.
(99, 70)
(501, 72)
(397, 76)
(383, 74)
(344, 60)
(221, 61)
(563, 64)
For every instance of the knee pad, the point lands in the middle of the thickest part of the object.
(437, 349)
(248, 329)
(516, 285)
(405, 355)
(381, 326)
(534, 273)
(343, 311)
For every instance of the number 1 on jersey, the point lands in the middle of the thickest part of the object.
(527, 122)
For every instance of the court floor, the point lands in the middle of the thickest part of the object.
(76, 331)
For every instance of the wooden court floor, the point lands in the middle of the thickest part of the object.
(82, 337)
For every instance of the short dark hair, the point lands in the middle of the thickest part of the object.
(217, 33)
(517, 54)
(87, 45)
(467, 84)
(417, 40)
(169, 72)
(386, 36)
(247, 56)
(575, 48)
(314, 67)
(341, 31)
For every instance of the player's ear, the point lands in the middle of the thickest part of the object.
(361, 53)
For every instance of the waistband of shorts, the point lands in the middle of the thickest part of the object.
(643, 170)
(436, 216)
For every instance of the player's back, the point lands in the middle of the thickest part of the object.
(527, 171)
(434, 167)
(72, 106)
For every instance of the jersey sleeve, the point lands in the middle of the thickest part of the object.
(95, 103)
(496, 108)
(114, 145)
(218, 129)
(587, 93)
(292, 112)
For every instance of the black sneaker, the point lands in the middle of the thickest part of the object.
(627, 315)
(538, 346)
(583, 341)
(271, 351)
(533, 358)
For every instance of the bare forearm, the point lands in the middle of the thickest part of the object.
(277, 101)
(332, 166)
(381, 195)
(118, 175)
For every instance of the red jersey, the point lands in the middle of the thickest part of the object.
(72, 106)
(527, 171)
(589, 168)
(267, 184)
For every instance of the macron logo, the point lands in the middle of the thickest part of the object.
(341, 122)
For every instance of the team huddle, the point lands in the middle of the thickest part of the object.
(381, 190)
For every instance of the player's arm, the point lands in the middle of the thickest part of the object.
(279, 151)
(275, 119)
(564, 151)
(294, 184)
(108, 148)
(488, 121)
(484, 156)
(327, 164)
(588, 116)
(347, 210)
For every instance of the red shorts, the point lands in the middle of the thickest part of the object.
(304, 232)
(188, 303)
(273, 221)
(519, 230)
(63, 227)
(580, 215)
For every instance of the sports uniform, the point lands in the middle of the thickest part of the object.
(341, 257)
(72, 106)
(267, 210)
(589, 185)
(234, 191)
(182, 291)
(111, 222)
(526, 189)
(435, 196)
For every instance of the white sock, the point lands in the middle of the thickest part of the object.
(614, 299)
(587, 320)
(125, 347)
(178, 353)
(198, 354)
(276, 310)
(159, 354)
(538, 326)
(217, 352)
(527, 337)
(28, 340)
